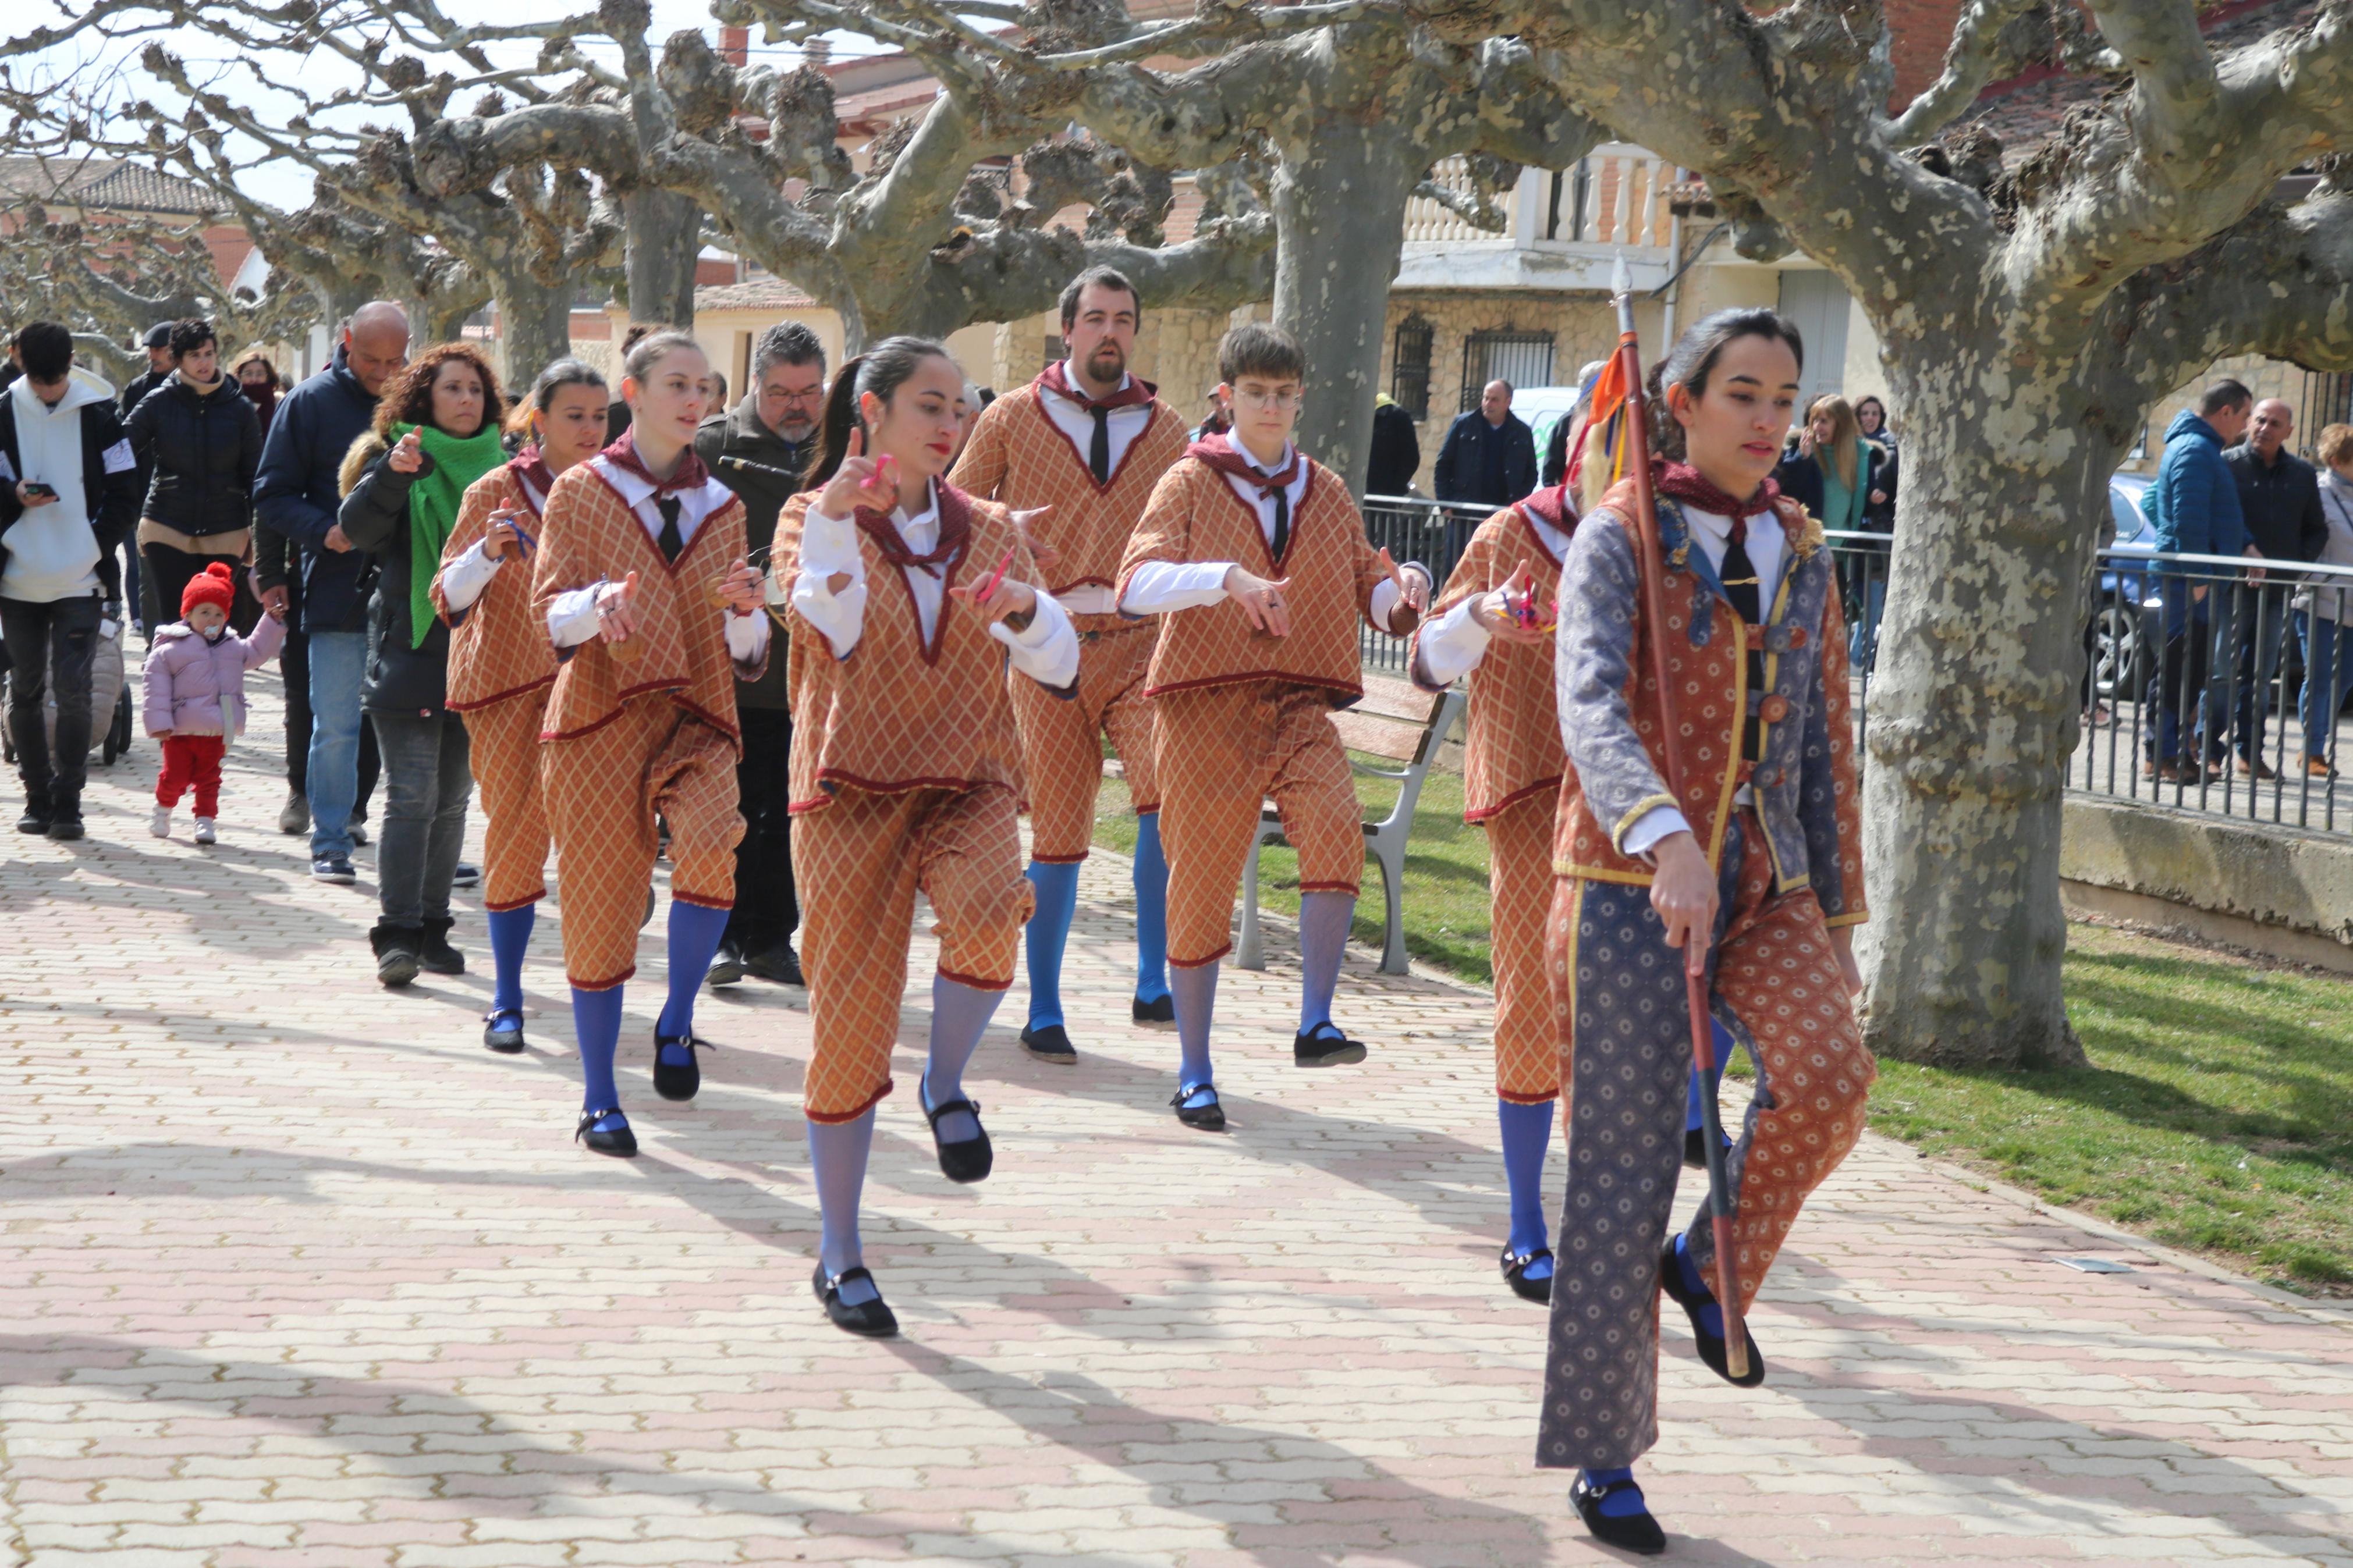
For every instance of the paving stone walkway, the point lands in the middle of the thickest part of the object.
(293, 1272)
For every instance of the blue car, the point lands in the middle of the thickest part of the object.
(2129, 614)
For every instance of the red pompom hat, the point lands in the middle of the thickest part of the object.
(216, 584)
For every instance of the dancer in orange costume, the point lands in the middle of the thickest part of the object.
(909, 598)
(501, 665)
(1085, 443)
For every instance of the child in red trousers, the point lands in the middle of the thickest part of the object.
(195, 693)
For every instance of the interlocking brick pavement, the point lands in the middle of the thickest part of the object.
(296, 1273)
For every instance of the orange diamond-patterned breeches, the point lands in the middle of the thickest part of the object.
(503, 746)
(860, 862)
(1528, 1064)
(1061, 744)
(1221, 751)
(603, 791)
(1777, 987)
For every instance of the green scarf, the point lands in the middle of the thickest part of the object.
(434, 498)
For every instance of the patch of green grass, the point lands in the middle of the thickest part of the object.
(2217, 1114)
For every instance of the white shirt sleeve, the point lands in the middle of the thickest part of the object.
(1047, 650)
(1451, 646)
(829, 550)
(747, 637)
(1658, 823)
(1159, 587)
(572, 618)
(466, 579)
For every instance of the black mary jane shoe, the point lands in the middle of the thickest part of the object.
(619, 1141)
(1711, 1346)
(1051, 1044)
(1324, 1047)
(678, 1080)
(1159, 1010)
(503, 1031)
(1515, 1274)
(1209, 1118)
(1636, 1532)
(872, 1319)
(970, 1159)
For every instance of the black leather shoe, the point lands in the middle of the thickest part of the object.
(1050, 1044)
(1636, 1532)
(678, 1080)
(35, 820)
(1324, 1047)
(619, 1141)
(503, 1031)
(396, 953)
(1711, 1346)
(779, 965)
(873, 1318)
(727, 963)
(433, 954)
(63, 827)
(1162, 1010)
(969, 1160)
(1209, 1118)
(1515, 1275)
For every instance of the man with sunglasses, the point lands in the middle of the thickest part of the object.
(775, 425)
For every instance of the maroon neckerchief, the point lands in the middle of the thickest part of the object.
(955, 527)
(1682, 482)
(1220, 453)
(691, 475)
(1553, 508)
(531, 468)
(1136, 394)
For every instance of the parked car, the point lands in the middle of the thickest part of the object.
(2128, 617)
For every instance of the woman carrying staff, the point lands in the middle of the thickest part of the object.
(1753, 877)
(908, 599)
(501, 665)
(640, 580)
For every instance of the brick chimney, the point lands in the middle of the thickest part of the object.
(735, 46)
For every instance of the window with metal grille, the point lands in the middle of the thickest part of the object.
(1409, 374)
(2328, 400)
(1523, 359)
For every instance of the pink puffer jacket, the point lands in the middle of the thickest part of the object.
(196, 687)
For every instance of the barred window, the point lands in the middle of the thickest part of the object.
(1409, 376)
(1523, 359)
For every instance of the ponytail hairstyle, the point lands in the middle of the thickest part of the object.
(1693, 358)
(560, 374)
(880, 370)
(657, 344)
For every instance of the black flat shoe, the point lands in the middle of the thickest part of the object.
(503, 1031)
(968, 1161)
(1515, 1274)
(1050, 1044)
(1162, 1010)
(726, 964)
(779, 965)
(1324, 1047)
(1209, 1118)
(678, 1080)
(1711, 1346)
(1636, 1532)
(873, 1318)
(620, 1140)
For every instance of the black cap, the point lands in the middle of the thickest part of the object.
(159, 336)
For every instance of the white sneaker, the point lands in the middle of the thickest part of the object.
(160, 824)
(205, 833)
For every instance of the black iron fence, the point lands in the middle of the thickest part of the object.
(1411, 529)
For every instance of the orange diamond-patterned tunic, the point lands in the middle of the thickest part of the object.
(501, 667)
(1789, 866)
(906, 778)
(628, 740)
(1018, 456)
(1511, 769)
(1242, 715)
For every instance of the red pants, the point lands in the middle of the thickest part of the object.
(192, 759)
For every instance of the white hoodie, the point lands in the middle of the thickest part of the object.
(52, 553)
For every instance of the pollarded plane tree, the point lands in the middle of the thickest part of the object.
(1346, 106)
(2029, 317)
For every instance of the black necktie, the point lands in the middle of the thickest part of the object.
(674, 542)
(1281, 494)
(1099, 452)
(1741, 587)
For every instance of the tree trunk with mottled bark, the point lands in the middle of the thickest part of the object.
(665, 242)
(534, 327)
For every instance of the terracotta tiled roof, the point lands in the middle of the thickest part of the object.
(107, 182)
(766, 294)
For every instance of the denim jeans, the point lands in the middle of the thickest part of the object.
(1863, 641)
(57, 640)
(338, 664)
(2188, 641)
(426, 781)
(2328, 676)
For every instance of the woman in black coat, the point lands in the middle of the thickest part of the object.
(202, 441)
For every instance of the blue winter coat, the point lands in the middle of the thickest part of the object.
(296, 492)
(2193, 506)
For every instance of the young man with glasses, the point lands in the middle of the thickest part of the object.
(1257, 559)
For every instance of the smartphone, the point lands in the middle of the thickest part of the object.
(36, 487)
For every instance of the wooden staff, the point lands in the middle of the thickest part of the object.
(1720, 1204)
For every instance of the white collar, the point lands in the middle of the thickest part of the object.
(930, 514)
(1070, 381)
(1251, 458)
(636, 489)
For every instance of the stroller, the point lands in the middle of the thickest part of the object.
(111, 711)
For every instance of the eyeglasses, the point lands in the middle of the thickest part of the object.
(1289, 398)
